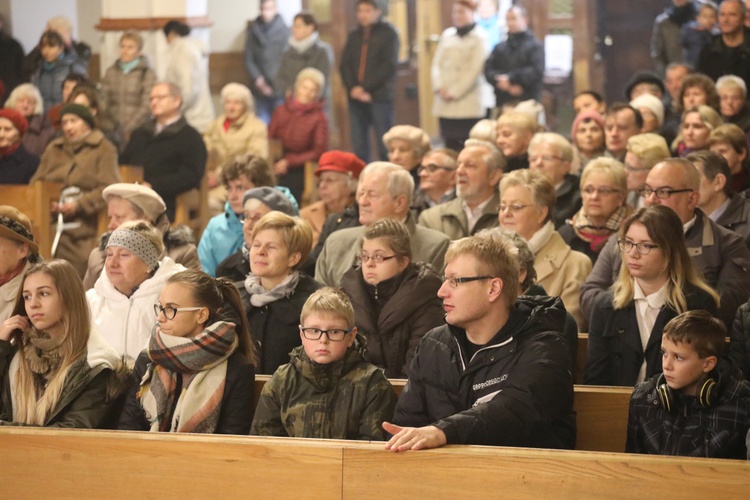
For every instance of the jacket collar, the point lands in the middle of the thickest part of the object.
(551, 256)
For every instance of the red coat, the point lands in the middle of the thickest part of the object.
(302, 129)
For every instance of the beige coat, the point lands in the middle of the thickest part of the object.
(450, 218)
(91, 165)
(246, 135)
(561, 271)
(9, 292)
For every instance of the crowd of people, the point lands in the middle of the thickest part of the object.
(468, 268)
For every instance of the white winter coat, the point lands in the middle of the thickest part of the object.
(188, 69)
(458, 65)
(126, 322)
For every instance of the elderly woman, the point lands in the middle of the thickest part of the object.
(302, 128)
(587, 134)
(695, 129)
(458, 76)
(122, 300)
(733, 107)
(275, 290)
(127, 84)
(406, 146)
(603, 189)
(643, 152)
(19, 251)
(256, 203)
(132, 202)
(652, 111)
(337, 174)
(730, 141)
(17, 165)
(527, 203)
(394, 298)
(27, 100)
(87, 95)
(514, 132)
(234, 133)
(697, 89)
(551, 154)
(85, 162)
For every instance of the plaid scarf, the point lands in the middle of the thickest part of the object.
(597, 236)
(201, 364)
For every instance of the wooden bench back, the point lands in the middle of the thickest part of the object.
(35, 201)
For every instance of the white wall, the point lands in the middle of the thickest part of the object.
(30, 17)
(230, 19)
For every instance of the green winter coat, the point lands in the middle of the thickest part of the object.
(348, 399)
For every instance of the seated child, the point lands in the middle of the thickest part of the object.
(327, 390)
(700, 405)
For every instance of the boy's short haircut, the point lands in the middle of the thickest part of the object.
(51, 39)
(254, 167)
(621, 106)
(703, 332)
(329, 301)
(593, 93)
(296, 233)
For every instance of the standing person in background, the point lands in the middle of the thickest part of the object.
(76, 50)
(698, 33)
(516, 66)
(368, 71)
(53, 68)
(265, 44)
(666, 45)
(729, 52)
(127, 84)
(457, 76)
(11, 61)
(188, 69)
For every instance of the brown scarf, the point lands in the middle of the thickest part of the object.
(42, 355)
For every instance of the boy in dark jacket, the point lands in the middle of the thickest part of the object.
(328, 390)
(700, 405)
(498, 372)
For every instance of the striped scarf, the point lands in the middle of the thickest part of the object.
(198, 366)
(597, 236)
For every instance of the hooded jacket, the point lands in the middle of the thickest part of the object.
(92, 393)
(126, 322)
(221, 238)
(395, 314)
(347, 399)
(516, 390)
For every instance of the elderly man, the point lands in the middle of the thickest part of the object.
(498, 372)
(171, 152)
(620, 124)
(385, 191)
(718, 254)
(644, 151)
(437, 180)
(551, 154)
(480, 168)
(126, 202)
(733, 101)
(718, 200)
(729, 52)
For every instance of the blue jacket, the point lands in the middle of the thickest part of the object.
(221, 238)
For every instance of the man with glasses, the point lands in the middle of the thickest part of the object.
(171, 152)
(385, 191)
(437, 180)
(718, 254)
(480, 168)
(499, 372)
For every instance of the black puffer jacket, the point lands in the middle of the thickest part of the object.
(395, 314)
(521, 57)
(515, 391)
(739, 340)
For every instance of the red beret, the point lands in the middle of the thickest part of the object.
(340, 161)
(16, 118)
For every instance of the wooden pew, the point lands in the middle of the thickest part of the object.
(110, 464)
(191, 208)
(35, 201)
(601, 414)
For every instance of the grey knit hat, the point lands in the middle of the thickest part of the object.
(272, 198)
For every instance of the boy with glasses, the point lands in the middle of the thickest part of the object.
(327, 390)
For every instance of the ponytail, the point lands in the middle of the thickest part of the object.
(232, 299)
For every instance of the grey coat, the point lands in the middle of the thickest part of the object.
(264, 45)
(127, 94)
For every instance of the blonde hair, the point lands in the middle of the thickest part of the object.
(314, 75)
(609, 166)
(76, 326)
(496, 256)
(133, 36)
(518, 121)
(484, 130)
(295, 232)
(415, 136)
(329, 301)
(649, 148)
(665, 230)
(542, 191)
(561, 143)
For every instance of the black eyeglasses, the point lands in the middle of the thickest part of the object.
(170, 312)
(662, 193)
(642, 248)
(334, 334)
(431, 168)
(378, 258)
(454, 281)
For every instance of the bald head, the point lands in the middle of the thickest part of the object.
(674, 183)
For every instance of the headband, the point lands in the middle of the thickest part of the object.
(137, 243)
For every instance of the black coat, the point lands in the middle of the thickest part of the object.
(344, 220)
(521, 57)
(173, 161)
(18, 167)
(381, 61)
(616, 353)
(235, 267)
(717, 60)
(11, 64)
(576, 243)
(264, 45)
(515, 391)
(568, 200)
(394, 315)
(739, 340)
(237, 402)
(274, 327)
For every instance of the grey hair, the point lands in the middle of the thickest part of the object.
(495, 159)
(525, 256)
(732, 82)
(560, 142)
(26, 89)
(400, 182)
